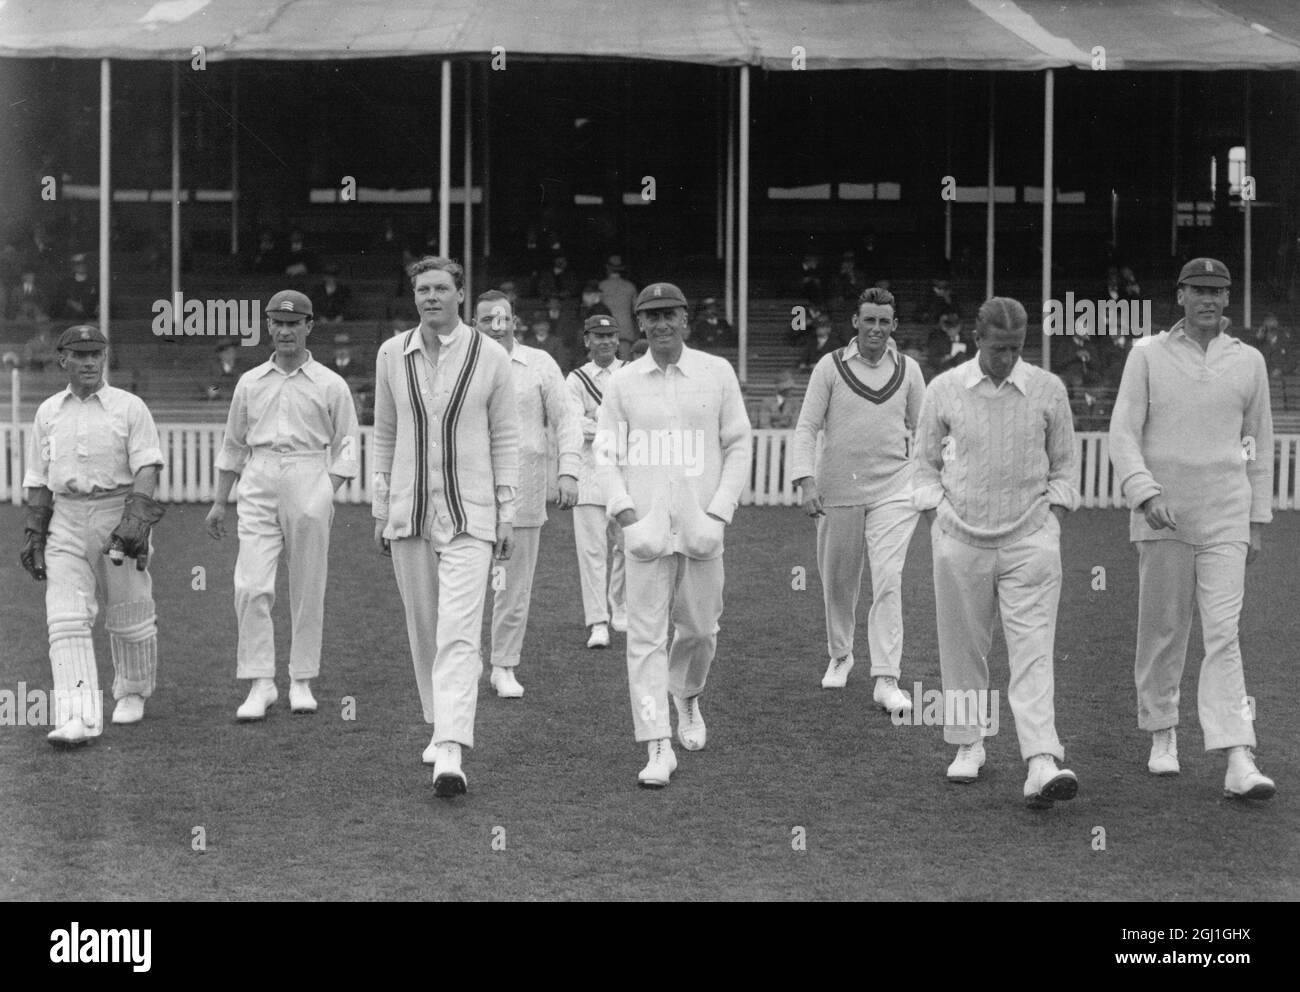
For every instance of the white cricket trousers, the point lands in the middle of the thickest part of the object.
(286, 503)
(847, 537)
(1172, 575)
(688, 592)
(443, 583)
(594, 535)
(76, 572)
(1023, 581)
(512, 596)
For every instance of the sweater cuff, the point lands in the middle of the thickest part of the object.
(1061, 493)
(1138, 489)
(618, 505)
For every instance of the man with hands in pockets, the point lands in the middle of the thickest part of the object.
(673, 447)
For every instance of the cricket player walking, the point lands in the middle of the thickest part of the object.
(1192, 443)
(541, 400)
(291, 440)
(599, 540)
(92, 467)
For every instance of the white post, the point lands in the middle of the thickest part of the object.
(720, 186)
(742, 261)
(1049, 194)
(234, 159)
(947, 166)
(444, 164)
(15, 437)
(487, 163)
(988, 208)
(467, 216)
(176, 179)
(1245, 206)
(105, 194)
(729, 249)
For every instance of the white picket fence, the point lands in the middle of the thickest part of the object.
(191, 449)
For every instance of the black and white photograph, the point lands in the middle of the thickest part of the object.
(690, 451)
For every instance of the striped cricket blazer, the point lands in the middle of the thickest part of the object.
(446, 434)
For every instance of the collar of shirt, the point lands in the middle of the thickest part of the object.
(519, 353)
(307, 368)
(972, 375)
(609, 369)
(444, 340)
(97, 394)
(689, 363)
(891, 351)
(1221, 343)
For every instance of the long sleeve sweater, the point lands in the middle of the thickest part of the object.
(868, 415)
(1195, 426)
(993, 460)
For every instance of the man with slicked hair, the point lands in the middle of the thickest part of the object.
(996, 472)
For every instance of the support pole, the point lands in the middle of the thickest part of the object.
(444, 164)
(176, 179)
(1049, 194)
(1245, 206)
(988, 207)
(729, 249)
(742, 274)
(105, 194)
(467, 216)
(234, 159)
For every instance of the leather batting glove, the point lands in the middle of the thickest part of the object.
(35, 529)
(132, 532)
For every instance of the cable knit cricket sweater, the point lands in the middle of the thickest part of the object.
(992, 460)
(1196, 426)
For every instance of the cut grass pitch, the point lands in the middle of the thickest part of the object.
(319, 807)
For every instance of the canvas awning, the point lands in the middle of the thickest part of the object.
(1000, 35)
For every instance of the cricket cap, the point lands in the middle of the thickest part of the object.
(600, 323)
(289, 303)
(1205, 272)
(659, 296)
(82, 337)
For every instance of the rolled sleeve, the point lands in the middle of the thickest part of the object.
(144, 448)
(609, 472)
(736, 438)
(37, 472)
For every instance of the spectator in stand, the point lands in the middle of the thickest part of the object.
(223, 373)
(564, 325)
(344, 363)
(811, 288)
(948, 345)
(823, 342)
(849, 281)
(619, 294)
(941, 301)
(28, 300)
(710, 330)
(780, 412)
(301, 260)
(78, 295)
(1277, 347)
(331, 299)
(543, 338)
(269, 257)
(41, 351)
(593, 303)
(558, 280)
(1129, 284)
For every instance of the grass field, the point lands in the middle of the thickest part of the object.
(320, 807)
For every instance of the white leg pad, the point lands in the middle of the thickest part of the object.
(76, 680)
(133, 639)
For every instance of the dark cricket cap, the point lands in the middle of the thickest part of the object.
(82, 337)
(600, 323)
(289, 303)
(1205, 272)
(658, 296)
